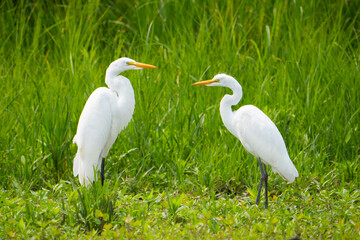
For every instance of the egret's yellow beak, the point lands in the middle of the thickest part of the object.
(141, 65)
(207, 82)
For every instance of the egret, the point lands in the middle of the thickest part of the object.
(106, 113)
(257, 133)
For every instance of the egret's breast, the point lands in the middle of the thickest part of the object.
(123, 110)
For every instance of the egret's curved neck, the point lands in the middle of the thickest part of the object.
(111, 76)
(120, 84)
(225, 105)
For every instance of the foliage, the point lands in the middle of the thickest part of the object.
(176, 170)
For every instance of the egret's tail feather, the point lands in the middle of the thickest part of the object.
(291, 173)
(76, 164)
(287, 170)
(85, 169)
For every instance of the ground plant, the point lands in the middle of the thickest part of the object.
(175, 171)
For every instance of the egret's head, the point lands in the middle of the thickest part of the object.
(124, 64)
(221, 80)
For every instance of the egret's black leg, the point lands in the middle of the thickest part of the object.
(266, 184)
(261, 181)
(102, 176)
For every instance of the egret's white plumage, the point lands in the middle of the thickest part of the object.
(105, 114)
(257, 133)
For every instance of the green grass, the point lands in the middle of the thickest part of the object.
(176, 170)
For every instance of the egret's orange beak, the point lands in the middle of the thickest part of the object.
(141, 65)
(206, 82)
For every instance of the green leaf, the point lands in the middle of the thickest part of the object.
(106, 216)
(348, 136)
(252, 193)
(23, 160)
(98, 213)
(107, 226)
(21, 224)
(56, 210)
(97, 221)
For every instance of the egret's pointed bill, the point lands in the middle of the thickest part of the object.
(141, 65)
(207, 82)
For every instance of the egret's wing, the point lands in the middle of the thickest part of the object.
(92, 133)
(260, 137)
(258, 134)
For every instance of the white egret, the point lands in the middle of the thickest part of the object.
(105, 114)
(257, 133)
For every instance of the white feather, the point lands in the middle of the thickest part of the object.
(105, 114)
(257, 133)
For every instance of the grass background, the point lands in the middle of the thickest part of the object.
(176, 170)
